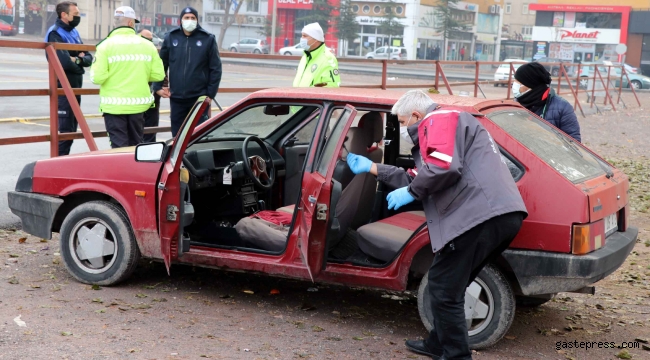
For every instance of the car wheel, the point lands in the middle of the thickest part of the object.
(584, 83)
(555, 72)
(287, 53)
(97, 244)
(496, 85)
(636, 84)
(492, 313)
(257, 51)
(233, 49)
(534, 301)
(370, 57)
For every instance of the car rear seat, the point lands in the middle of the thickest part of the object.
(384, 239)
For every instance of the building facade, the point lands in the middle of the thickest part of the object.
(579, 32)
(248, 23)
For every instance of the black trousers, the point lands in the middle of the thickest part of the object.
(180, 108)
(67, 123)
(124, 130)
(152, 119)
(454, 268)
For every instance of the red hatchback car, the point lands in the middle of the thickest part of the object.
(7, 29)
(198, 199)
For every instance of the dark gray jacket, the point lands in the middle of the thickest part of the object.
(476, 187)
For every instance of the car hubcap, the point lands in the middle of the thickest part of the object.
(93, 245)
(479, 307)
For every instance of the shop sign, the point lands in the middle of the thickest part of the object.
(576, 35)
(295, 4)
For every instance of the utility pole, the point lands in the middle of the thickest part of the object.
(273, 24)
(497, 50)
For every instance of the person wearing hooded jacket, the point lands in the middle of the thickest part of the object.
(318, 66)
(192, 57)
(532, 89)
(73, 63)
(472, 206)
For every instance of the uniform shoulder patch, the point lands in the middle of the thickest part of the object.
(336, 72)
(314, 67)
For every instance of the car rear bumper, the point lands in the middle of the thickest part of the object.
(36, 211)
(539, 272)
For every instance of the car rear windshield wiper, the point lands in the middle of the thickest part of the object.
(608, 171)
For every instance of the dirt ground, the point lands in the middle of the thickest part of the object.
(202, 313)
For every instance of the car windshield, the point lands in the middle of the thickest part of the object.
(260, 121)
(505, 67)
(559, 151)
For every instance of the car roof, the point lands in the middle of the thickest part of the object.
(513, 60)
(372, 96)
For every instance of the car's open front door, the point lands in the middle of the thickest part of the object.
(169, 187)
(314, 202)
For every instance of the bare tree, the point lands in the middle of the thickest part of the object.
(228, 19)
(42, 12)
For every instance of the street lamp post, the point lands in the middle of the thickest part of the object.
(273, 23)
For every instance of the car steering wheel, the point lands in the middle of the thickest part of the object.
(258, 169)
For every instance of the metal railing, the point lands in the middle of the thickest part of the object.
(56, 73)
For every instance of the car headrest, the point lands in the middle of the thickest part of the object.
(373, 123)
(357, 141)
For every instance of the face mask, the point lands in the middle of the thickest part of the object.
(404, 133)
(304, 43)
(75, 21)
(516, 89)
(189, 25)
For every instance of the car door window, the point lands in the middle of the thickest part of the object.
(381, 50)
(341, 118)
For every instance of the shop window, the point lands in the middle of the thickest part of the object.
(376, 9)
(544, 18)
(508, 8)
(524, 9)
(599, 20)
(366, 9)
(527, 30)
(355, 8)
(399, 10)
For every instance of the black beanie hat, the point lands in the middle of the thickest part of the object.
(533, 75)
(190, 10)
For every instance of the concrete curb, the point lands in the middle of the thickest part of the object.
(47, 118)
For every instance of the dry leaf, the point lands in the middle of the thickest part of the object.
(251, 292)
(22, 240)
(66, 333)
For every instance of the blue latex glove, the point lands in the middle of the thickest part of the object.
(358, 164)
(398, 198)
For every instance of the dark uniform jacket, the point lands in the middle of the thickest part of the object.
(474, 186)
(73, 71)
(193, 62)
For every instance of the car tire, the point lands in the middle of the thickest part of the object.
(584, 83)
(496, 85)
(118, 238)
(287, 53)
(533, 301)
(370, 57)
(637, 84)
(257, 51)
(555, 72)
(233, 49)
(496, 291)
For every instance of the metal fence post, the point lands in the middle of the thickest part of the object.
(54, 113)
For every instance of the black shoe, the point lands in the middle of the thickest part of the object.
(420, 347)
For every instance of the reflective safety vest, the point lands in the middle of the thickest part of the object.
(317, 67)
(123, 67)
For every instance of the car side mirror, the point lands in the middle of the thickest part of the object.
(151, 152)
(276, 110)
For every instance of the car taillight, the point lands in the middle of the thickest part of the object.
(587, 237)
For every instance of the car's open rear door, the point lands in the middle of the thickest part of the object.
(169, 186)
(314, 202)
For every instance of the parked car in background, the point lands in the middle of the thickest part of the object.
(249, 45)
(554, 66)
(295, 50)
(157, 41)
(638, 81)
(396, 53)
(502, 73)
(7, 29)
(276, 146)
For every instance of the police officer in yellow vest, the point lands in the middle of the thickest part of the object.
(318, 66)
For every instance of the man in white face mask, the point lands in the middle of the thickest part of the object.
(472, 206)
(318, 66)
(190, 76)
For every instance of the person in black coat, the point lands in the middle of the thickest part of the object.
(73, 63)
(532, 90)
(192, 56)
